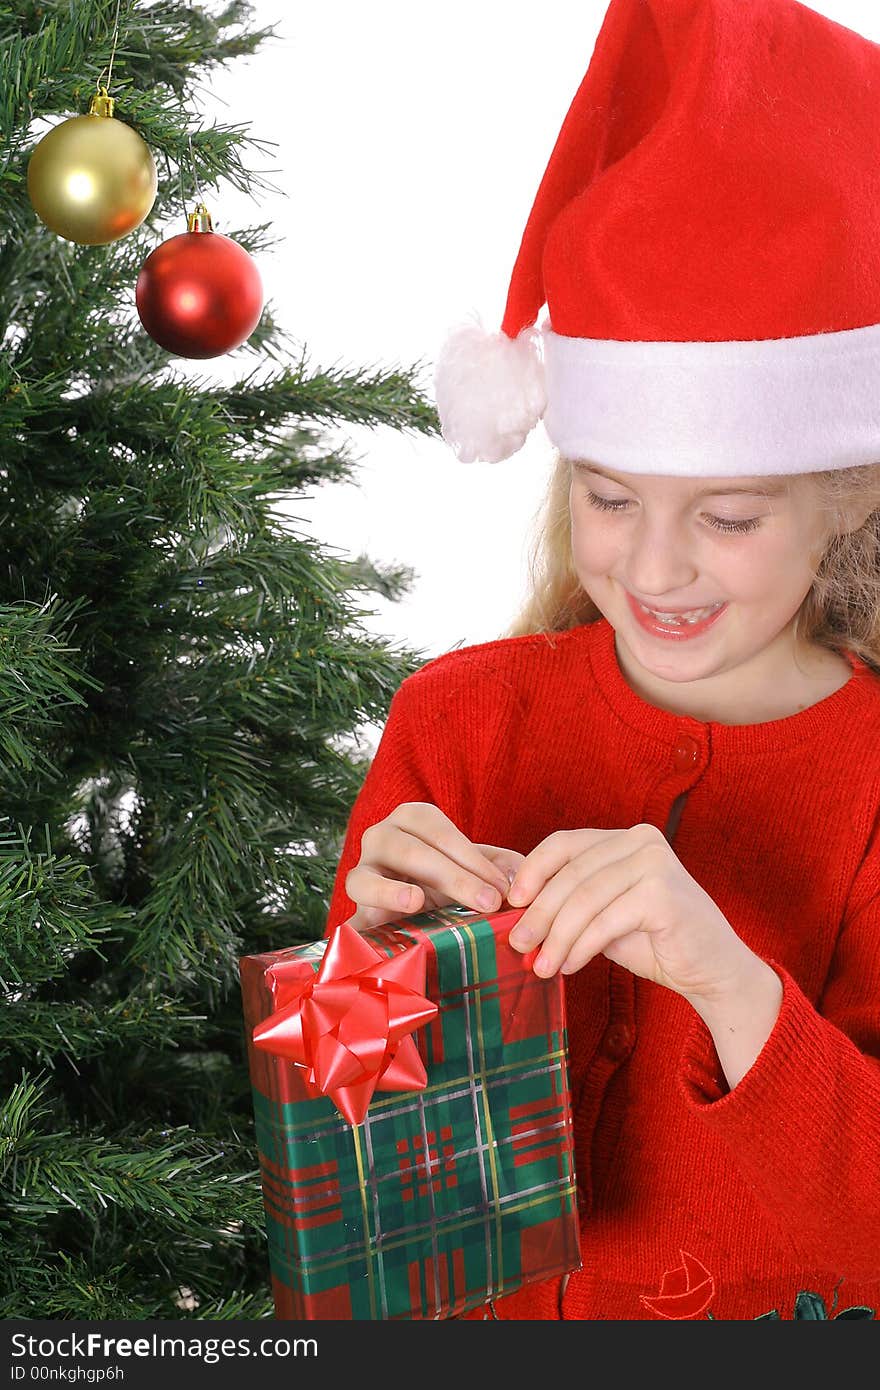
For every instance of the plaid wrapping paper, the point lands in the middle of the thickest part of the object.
(443, 1198)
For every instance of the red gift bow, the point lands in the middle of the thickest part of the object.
(348, 1024)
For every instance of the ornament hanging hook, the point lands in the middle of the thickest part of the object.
(101, 84)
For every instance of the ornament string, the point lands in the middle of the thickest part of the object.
(101, 85)
(195, 178)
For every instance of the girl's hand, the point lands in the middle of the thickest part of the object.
(417, 859)
(624, 894)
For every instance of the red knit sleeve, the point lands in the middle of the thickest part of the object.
(804, 1122)
(425, 754)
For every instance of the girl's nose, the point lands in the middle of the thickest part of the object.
(658, 562)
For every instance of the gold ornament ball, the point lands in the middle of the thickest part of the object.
(92, 179)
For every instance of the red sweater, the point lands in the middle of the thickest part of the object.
(744, 1198)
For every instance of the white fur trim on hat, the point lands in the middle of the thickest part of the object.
(489, 390)
(716, 409)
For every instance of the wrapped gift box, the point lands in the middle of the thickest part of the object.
(442, 1197)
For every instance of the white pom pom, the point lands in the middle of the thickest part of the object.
(489, 390)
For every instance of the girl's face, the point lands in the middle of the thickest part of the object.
(745, 549)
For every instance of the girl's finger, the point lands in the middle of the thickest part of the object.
(439, 834)
(376, 890)
(559, 849)
(582, 909)
(399, 880)
(371, 916)
(626, 914)
(547, 858)
(535, 923)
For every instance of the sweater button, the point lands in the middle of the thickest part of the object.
(617, 1042)
(686, 753)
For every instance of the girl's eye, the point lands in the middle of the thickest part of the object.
(606, 504)
(616, 504)
(740, 527)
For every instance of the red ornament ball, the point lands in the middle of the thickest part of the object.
(199, 294)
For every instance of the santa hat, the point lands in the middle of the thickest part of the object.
(706, 238)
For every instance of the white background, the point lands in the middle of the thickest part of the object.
(410, 140)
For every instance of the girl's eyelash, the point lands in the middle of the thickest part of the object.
(608, 504)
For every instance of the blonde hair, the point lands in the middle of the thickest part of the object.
(841, 611)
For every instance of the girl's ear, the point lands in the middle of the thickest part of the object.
(854, 516)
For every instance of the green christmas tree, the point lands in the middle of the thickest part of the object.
(183, 681)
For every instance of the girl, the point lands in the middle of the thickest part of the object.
(672, 760)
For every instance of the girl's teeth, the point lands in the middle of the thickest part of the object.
(677, 619)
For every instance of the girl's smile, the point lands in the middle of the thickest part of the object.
(674, 626)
